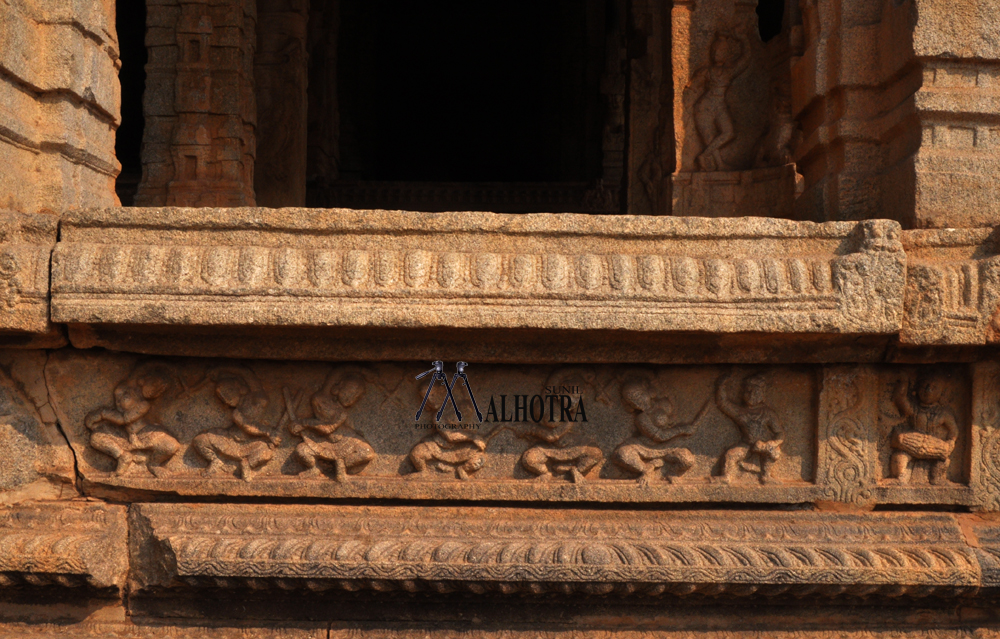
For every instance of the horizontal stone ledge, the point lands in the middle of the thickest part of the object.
(507, 550)
(382, 269)
(69, 544)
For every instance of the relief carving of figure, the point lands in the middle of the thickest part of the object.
(449, 448)
(655, 430)
(143, 440)
(247, 441)
(561, 450)
(328, 436)
(928, 434)
(761, 433)
(729, 57)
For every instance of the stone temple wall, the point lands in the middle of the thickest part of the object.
(59, 104)
(218, 420)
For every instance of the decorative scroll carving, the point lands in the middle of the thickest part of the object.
(985, 471)
(848, 456)
(506, 550)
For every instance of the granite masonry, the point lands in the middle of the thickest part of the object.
(630, 319)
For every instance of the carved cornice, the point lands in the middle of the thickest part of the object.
(66, 544)
(242, 267)
(536, 551)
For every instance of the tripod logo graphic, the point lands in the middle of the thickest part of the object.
(440, 376)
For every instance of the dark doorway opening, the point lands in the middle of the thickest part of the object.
(487, 105)
(131, 24)
(770, 15)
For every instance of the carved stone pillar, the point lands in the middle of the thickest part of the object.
(198, 146)
(281, 75)
(898, 104)
(59, 105)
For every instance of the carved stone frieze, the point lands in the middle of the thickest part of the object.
(204, 427)
(63, 544)
(510, 550)
(859, 434)
(475, 270)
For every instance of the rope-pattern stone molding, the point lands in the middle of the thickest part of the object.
(63, 544)
(512, 550)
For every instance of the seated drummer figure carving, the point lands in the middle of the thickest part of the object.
(561, 451)
(929, 433)
(730, 56)
(651, 448)
(448, 448)
(247, 441)
(143, 440)
(761, 433)
(328, 436)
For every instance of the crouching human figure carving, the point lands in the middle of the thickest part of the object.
(144, 439)
(247, 441)
(561, 451)
(928, 434)
(651, 448)
(328, 436)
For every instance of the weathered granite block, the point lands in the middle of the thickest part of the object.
(346, 268)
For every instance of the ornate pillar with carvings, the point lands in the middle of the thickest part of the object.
(198, 146)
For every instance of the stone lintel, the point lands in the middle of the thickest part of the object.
(380, 269)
